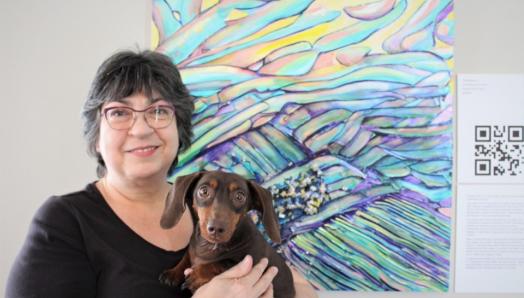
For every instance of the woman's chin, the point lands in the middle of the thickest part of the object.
(146, 173)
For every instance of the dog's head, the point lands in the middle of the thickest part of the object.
(219, 200)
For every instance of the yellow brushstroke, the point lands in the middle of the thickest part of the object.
(236, 14)
(155, 36)
(325, 71)
(439, 44)
(207, 4)
(270, 28)
(310, 35)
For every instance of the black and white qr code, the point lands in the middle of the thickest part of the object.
(499, 150)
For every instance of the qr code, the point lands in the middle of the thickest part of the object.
(499, 150)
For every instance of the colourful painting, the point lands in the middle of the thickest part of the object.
(343, 109)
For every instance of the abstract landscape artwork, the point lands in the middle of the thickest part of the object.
(343, 109)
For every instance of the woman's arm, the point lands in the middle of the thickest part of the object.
(52, 261)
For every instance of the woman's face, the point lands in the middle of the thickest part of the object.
(140, 152)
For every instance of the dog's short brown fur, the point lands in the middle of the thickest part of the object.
(224, 234)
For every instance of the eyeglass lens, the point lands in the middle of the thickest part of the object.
(124, 117)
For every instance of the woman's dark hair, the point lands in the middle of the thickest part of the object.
(126, 73)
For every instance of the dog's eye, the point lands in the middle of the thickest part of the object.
(203, 191)
(240, 196)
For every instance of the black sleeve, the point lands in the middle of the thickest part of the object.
(52, 261)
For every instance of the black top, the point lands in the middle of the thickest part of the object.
(78, 247)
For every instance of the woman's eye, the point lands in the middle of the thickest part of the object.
(162, 111)
(119, 113)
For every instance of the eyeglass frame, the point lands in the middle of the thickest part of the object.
(135, 116)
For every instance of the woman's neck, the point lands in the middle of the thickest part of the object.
(143, 191)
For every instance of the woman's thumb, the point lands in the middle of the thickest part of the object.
(239, 269)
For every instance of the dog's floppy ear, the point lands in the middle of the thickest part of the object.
(263, 202)
(181, 192)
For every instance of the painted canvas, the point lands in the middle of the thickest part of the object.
(343, 109)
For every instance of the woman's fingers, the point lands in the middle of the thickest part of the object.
(239, 270)
(242, 280)
(188, 271)
(269, 292)
(257, 280)
(265, 282)
(252, 277)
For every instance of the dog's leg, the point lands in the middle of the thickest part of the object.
(175, 276)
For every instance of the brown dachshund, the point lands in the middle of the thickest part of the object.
(224, 234)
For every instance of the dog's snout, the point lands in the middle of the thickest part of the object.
(215, 228)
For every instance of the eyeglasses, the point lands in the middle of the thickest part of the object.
(157, 116)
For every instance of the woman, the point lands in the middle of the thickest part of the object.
(106, 240)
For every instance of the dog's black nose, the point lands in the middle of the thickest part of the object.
(215, 228)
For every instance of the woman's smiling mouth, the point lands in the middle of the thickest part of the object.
(143, 151)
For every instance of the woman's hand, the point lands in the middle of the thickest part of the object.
(242, 280)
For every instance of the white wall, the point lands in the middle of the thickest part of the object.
(489, 36)
(50, 50)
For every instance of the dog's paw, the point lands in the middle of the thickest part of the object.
(169, 278)
(192, 282)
